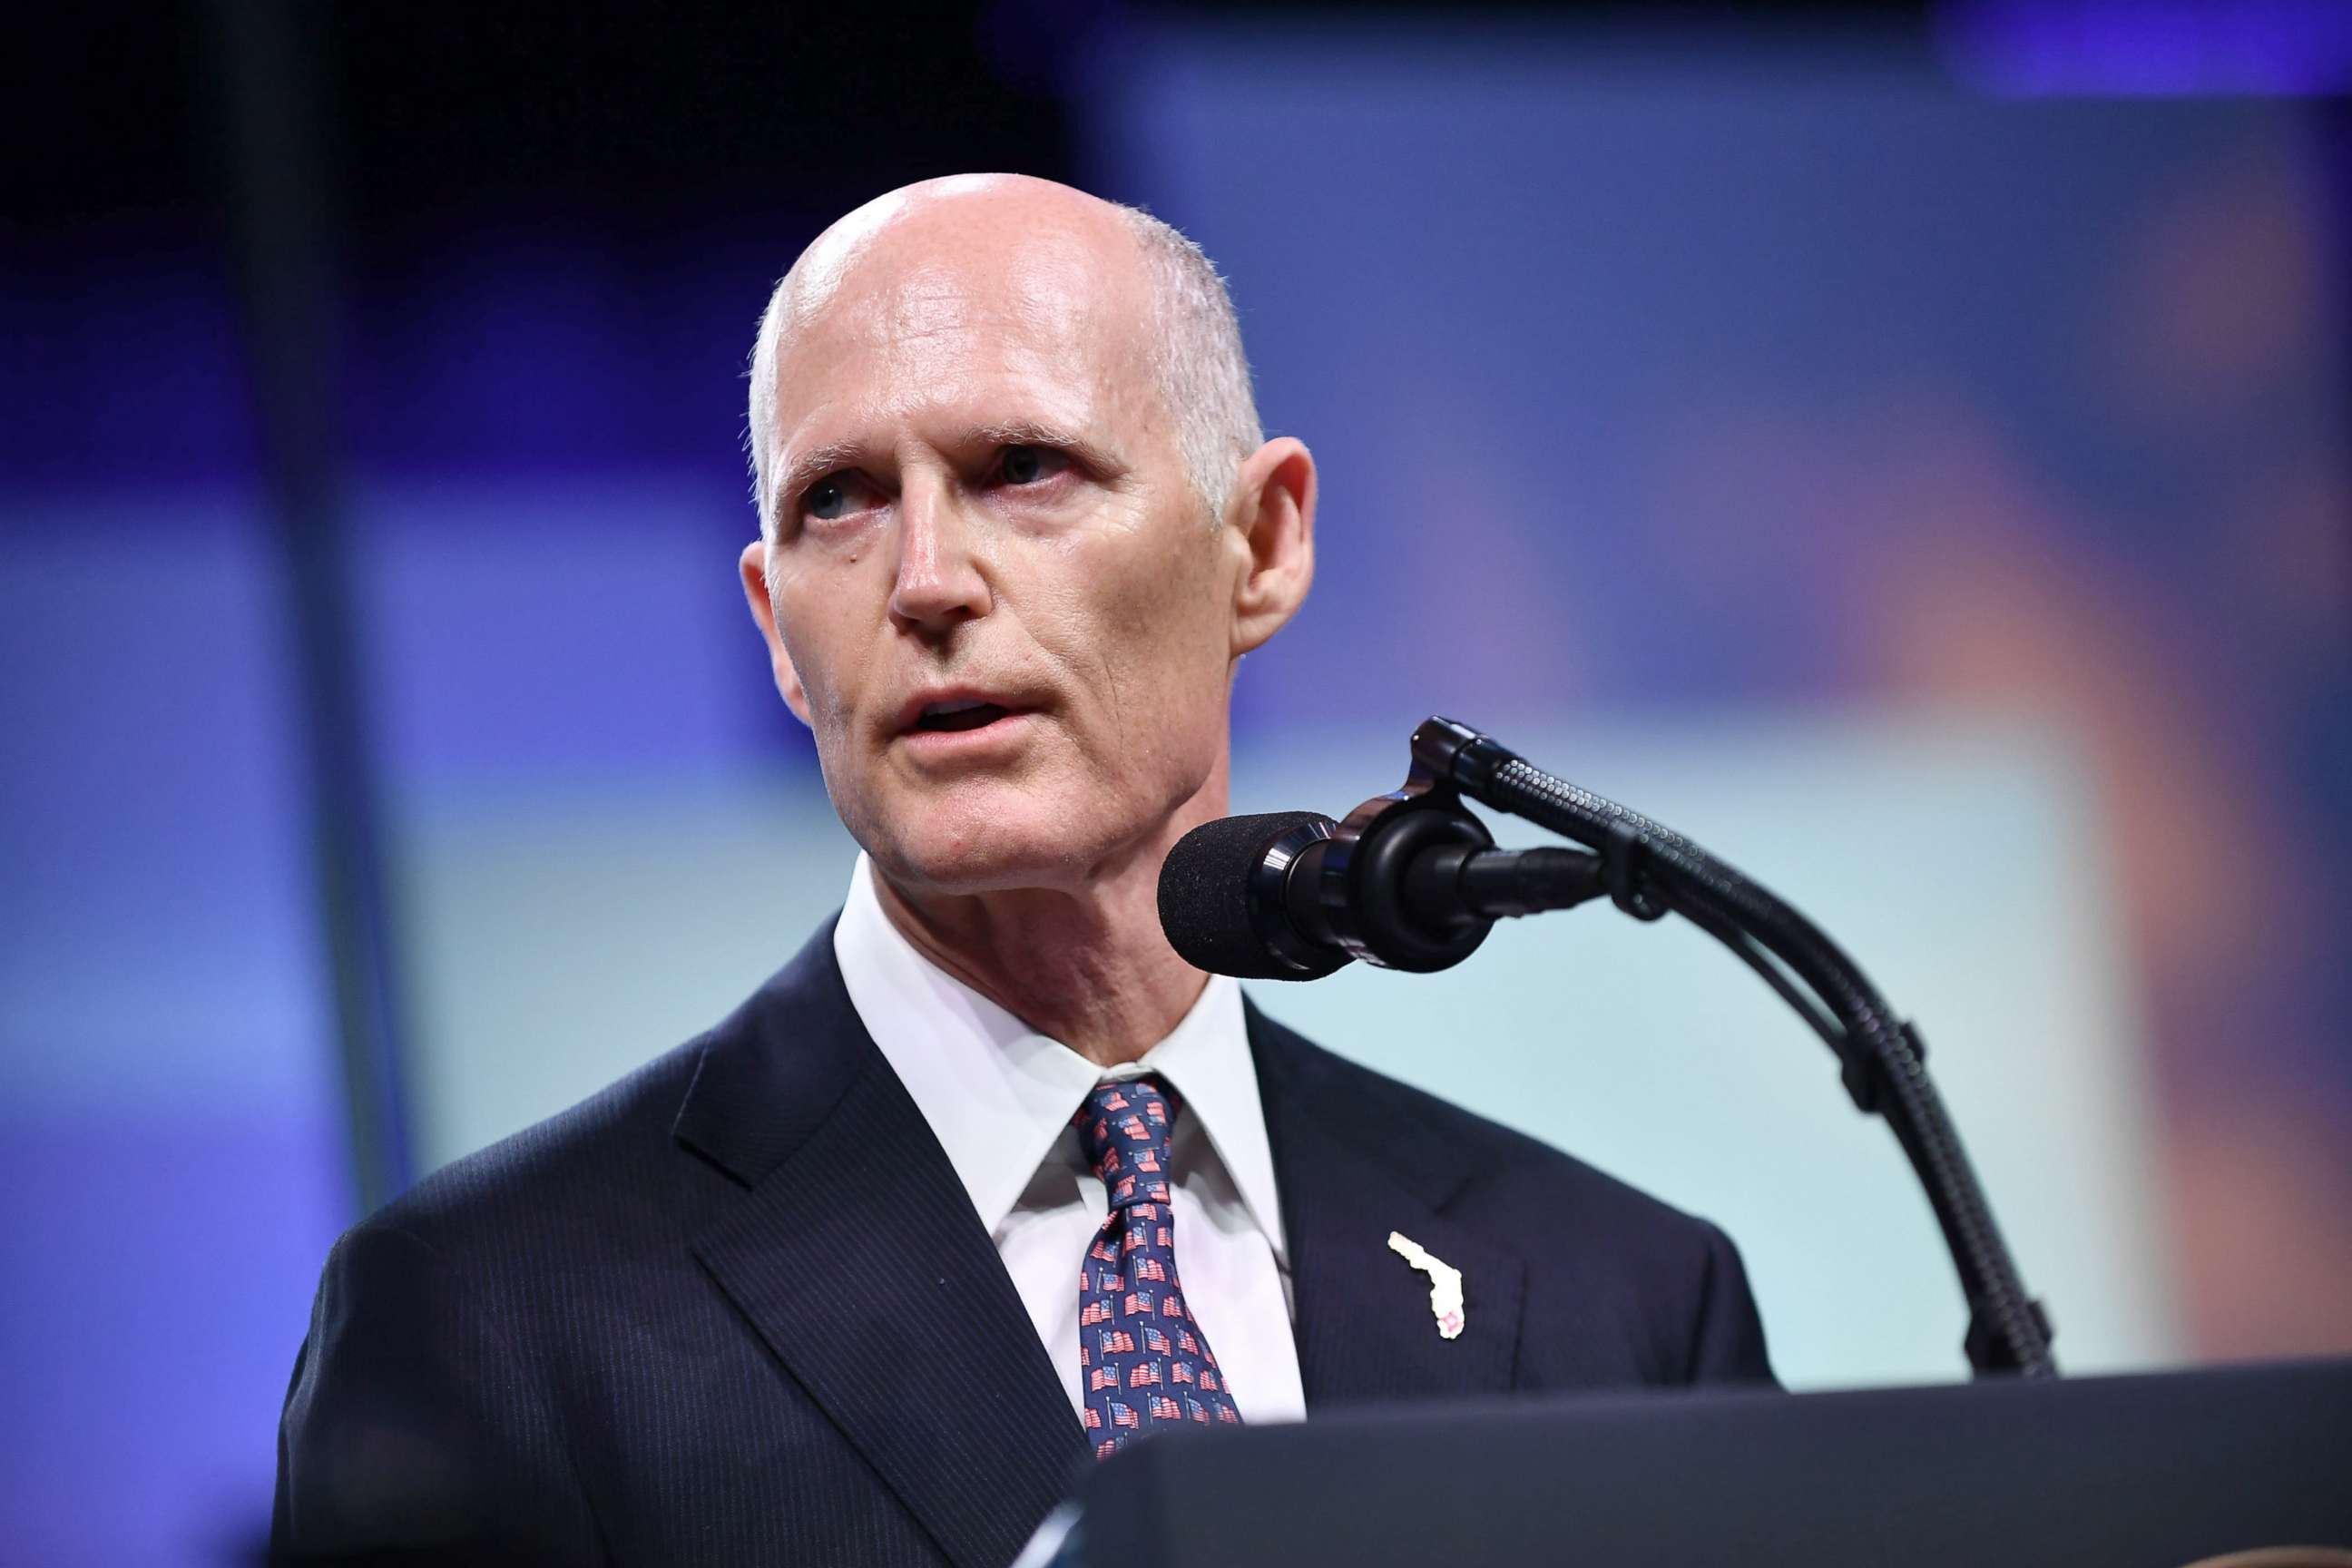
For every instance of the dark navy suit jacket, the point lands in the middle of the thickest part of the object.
(738, 1307)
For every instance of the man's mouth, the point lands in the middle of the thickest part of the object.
(949, 716)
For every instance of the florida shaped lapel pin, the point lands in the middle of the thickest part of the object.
(1444, 1284)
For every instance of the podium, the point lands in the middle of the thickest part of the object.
(2152, 1471)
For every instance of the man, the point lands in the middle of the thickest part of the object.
(987, 1180)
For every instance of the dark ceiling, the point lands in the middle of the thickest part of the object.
(110, 110)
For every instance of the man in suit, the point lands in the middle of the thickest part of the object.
(986, 1182)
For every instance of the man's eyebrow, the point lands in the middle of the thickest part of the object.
(1031, 433)
(814, 465)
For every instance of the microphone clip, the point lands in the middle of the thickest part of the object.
(1372, 884)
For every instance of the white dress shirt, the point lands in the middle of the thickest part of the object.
(1000, 1096)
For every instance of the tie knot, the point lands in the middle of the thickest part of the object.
(1124, 1129)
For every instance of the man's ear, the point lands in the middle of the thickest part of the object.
(754, 565)
(1273, 511)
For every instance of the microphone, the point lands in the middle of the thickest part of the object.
(1405, 883)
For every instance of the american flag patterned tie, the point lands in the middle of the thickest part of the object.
(1144, 1362)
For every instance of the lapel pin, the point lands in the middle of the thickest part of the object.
(1444, 1284)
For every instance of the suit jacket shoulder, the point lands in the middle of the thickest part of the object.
(589, 1185)
(428, 1409)
(436, 1404)
(590, 1158)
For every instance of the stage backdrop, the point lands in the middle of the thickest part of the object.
(1931, 499)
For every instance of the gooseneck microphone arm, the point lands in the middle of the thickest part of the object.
(1649, 871)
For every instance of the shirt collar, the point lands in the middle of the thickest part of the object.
(999, 1095)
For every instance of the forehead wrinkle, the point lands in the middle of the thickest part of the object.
(1022, 310)
(964, 368)
(927, 304)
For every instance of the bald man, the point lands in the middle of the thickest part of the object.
(986, 1182)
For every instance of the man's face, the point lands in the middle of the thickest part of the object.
(997, 601)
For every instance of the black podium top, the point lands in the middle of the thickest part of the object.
(2149, 1471)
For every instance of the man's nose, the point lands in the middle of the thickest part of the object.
(940, 582)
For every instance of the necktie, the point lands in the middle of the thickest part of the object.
(1144, 1362)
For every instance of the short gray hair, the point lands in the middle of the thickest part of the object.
(1203, 371)
(1204, 375)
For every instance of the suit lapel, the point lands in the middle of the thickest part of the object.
(855, 1254)
(1352, 1168)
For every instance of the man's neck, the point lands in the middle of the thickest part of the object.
(1089, 968)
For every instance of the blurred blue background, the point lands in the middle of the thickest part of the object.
(1908, 451)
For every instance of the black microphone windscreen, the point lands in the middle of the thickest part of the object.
(1204, 896)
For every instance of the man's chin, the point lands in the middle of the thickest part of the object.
(950, 852)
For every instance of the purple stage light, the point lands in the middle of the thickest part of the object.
(2257, 48)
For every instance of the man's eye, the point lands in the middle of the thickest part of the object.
(826, 500)
(1028, 465)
